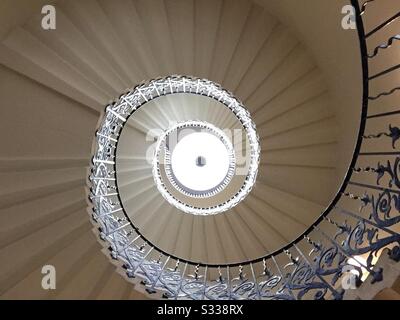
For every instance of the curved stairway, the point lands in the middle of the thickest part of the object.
(55, 84)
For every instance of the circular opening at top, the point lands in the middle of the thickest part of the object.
(199, 158)
(200, 161)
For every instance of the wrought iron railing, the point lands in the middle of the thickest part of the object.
(316, 263)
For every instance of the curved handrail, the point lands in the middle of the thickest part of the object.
(347, 178)
(303, 271)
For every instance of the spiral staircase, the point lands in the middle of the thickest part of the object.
(82, 105)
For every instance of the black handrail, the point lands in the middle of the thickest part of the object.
(330, 253)
(345, 183)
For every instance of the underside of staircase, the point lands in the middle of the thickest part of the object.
(304, 92)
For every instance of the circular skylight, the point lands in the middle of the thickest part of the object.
(201, 164)
(199, 158)
(200, 161)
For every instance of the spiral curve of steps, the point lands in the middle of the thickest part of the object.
(64, 79)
